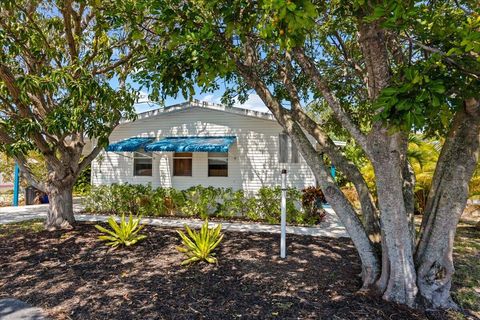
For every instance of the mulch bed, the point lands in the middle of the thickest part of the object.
(73, 276)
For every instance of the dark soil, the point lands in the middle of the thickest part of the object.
(73, 276)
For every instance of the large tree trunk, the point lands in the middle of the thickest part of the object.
(398, 271)
(60, 210)
(371, 219)
(344, 210)
(446, 202)
(409, 199)
(333, 194)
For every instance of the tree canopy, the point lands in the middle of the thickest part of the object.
(63, 71)
(383, 70)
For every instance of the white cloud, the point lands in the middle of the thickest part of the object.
(254, 102)
(143, 97)
(211, 98)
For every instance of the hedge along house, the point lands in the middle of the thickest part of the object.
(198, 143)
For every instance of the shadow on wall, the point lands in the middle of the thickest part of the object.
(255, 154)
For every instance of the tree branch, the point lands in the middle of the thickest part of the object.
(117, 64)
(343, 50)
(26, 172)
(67, 21)
(22, 162)
(343, 117)
(370, 212)
(445, 57)
(89, 158)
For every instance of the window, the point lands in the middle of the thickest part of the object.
(218, 164)
(182, 164)
(142, 164)
(283, 148)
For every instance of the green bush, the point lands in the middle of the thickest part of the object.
(82, 185)
(199, 201)
(232, 203)
(269, 209)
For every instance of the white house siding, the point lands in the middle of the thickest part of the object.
(252, 159)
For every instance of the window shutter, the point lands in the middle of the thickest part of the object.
(282, 148)
(294, 158)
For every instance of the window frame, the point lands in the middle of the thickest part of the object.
(142, 156)
(224, 157)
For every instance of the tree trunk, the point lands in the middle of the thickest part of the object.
(371, 219)
(60, 210)
(398, 274)
(446, 202)
(409, 199)
(342, 207)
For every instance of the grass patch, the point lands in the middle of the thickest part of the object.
(9, 229)
(466, 280)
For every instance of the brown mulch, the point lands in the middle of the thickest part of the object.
(73, 276)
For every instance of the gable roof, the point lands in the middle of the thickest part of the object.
(203, 105)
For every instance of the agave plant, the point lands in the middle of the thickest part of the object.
(125, 233)
(198, 245)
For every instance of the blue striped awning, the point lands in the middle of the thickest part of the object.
(129, 145)
(192, 144)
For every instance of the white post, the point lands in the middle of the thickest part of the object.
(283, 220)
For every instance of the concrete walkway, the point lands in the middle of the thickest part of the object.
(330, 228)
(13, 309)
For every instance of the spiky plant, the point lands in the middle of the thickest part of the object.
(198, 245)
(124, 234)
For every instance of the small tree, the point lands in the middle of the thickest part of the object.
(58, 64)
(385, 69)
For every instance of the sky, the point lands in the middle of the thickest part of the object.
(144, 104)
(253, 103)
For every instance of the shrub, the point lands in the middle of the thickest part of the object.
(198, 245)
(269, 204)
(352, 196)
(125, 233)
(198, 201)
(82, 185)
(251, 210)
(312, 203)
(232, 203)
(294, 206)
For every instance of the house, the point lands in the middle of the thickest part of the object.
(199, 143)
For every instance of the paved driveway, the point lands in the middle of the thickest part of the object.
(330, 228)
